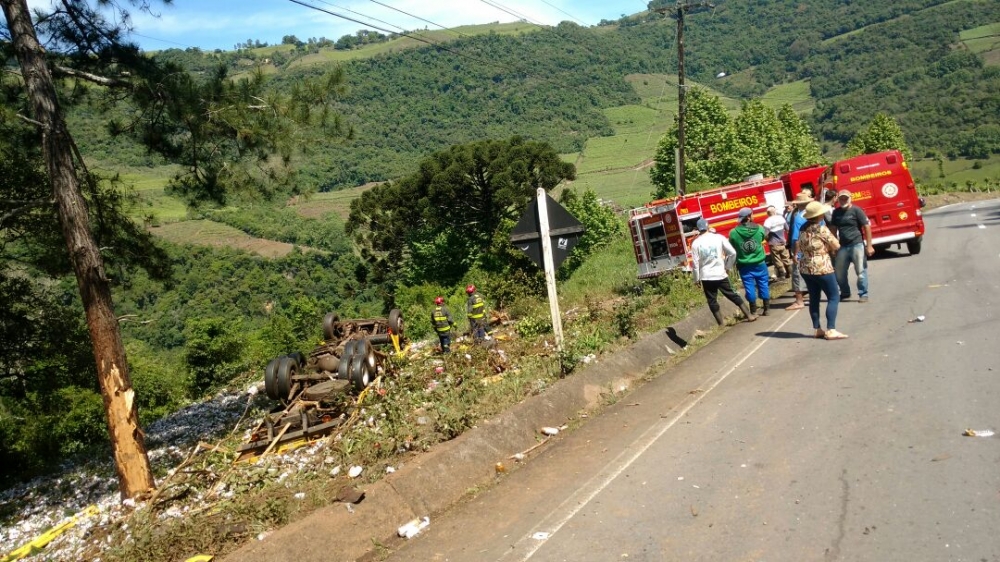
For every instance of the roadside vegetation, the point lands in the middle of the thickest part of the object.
(241, 271)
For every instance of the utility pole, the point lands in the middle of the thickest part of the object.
(677, 12)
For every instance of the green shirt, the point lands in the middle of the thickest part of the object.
(748, 240)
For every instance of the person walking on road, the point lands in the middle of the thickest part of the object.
(854, 230)
(816, 245)
(475, 309)
(795, 224)
(777, 228)
(748, 241)
(443, 323)
(712, 257)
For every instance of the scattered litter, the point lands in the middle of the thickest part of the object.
(960, 342)
(300, 496)
(355, 471)
(937, 285)
(390, 469)
(263, 535)
(468, 357)
(432, 385)
(413, 528)
(128, 502)
(550, 430)
(973, 214)
(253, 390)
(541, 536)
(335, 471)
(680, 478)
(438, 370)
(519, 457)
(633, 404)
(423, 420)
(982, 226)
(694, 511)
(920, 318)
(743, 466)
(500, 468)
(978, 433)
(939, 458)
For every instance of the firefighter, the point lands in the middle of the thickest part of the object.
(442, 322)
(475, 308)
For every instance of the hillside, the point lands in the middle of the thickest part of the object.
(930, 64)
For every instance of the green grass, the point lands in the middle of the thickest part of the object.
(401, 43)
(628, 188)
(958, 171)
(797, 94)
(984, 41)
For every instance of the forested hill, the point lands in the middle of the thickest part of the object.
(906, 58)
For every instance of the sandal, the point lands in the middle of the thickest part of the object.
(835, 335)
(795, 306)
(820, 334)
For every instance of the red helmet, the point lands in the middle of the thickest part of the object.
(470, 289)
(439, 301)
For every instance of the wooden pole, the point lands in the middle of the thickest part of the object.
(550, 270)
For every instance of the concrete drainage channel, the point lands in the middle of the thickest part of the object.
(433, 482)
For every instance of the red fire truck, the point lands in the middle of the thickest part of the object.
(880, 184)
(662, 230)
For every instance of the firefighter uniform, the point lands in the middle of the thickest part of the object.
(475, 308)
(442, 322)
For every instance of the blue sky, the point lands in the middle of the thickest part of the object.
(220, 24)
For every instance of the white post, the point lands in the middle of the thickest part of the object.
(550, 270)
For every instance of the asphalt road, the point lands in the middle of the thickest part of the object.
(770, 445)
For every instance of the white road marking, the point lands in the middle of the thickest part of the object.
(527, 546)
(982, 226)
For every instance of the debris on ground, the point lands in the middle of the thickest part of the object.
(978, 433)
(413, 528)
(920, 318)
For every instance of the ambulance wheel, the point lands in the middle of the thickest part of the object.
(270, 378)
(361, 377)
(287, 368)
(396, 321)
(914, 246)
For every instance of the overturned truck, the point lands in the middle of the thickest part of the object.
(310, 387)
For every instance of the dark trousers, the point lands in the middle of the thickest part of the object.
(713, 288)
(478, 328)
(445, 338)
(826, 284)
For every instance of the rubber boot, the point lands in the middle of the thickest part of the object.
(767, 308)
(718, 317)
(753, 308)
(746, 312)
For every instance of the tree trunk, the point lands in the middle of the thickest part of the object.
(131, 462)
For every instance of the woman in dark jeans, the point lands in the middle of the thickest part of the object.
(815, 247)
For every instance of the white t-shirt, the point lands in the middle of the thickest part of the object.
(712, 255)
(775, 226)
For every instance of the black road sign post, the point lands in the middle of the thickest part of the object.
(547, 233)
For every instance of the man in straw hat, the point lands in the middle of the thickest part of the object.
(794, 226)
(713, 257)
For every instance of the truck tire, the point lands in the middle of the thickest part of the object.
(360, 375)
(287, 368)
(365, 349)
(344, 367)
(331, 326)
(299, 358)
(270, 378)
(914, 245)
(396, 321)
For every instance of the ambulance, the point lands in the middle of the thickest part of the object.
(662, 231)
(881, 185)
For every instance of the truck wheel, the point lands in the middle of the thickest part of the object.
(270, 375)
(396, 321)
(360, 375)
(365, 349)
(344, 367)
(299, 358)
(287, 369)
(914, 245)
(331, 326)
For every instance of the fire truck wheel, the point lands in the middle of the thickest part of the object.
(287, 369)
(270, 373)
(914, 246)
(365, 349)
(360, 375)
(331, 326)
(396, 321)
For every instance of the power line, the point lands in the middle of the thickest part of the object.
(422, 19)
(567, 13)
(510, 11)
(360, 14)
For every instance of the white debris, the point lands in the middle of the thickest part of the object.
(355, 471)
(390, 469)
(300, 496)
(550, 430)
(411, 528)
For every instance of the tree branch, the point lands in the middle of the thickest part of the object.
(32, 121)
(95, 78)
(25, 206)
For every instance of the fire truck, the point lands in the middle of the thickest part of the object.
(662, 231)
(881, 185)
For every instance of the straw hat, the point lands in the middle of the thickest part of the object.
(815, 209)
(802, 198)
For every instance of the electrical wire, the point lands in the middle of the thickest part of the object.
(564, 12)
(459, 33)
